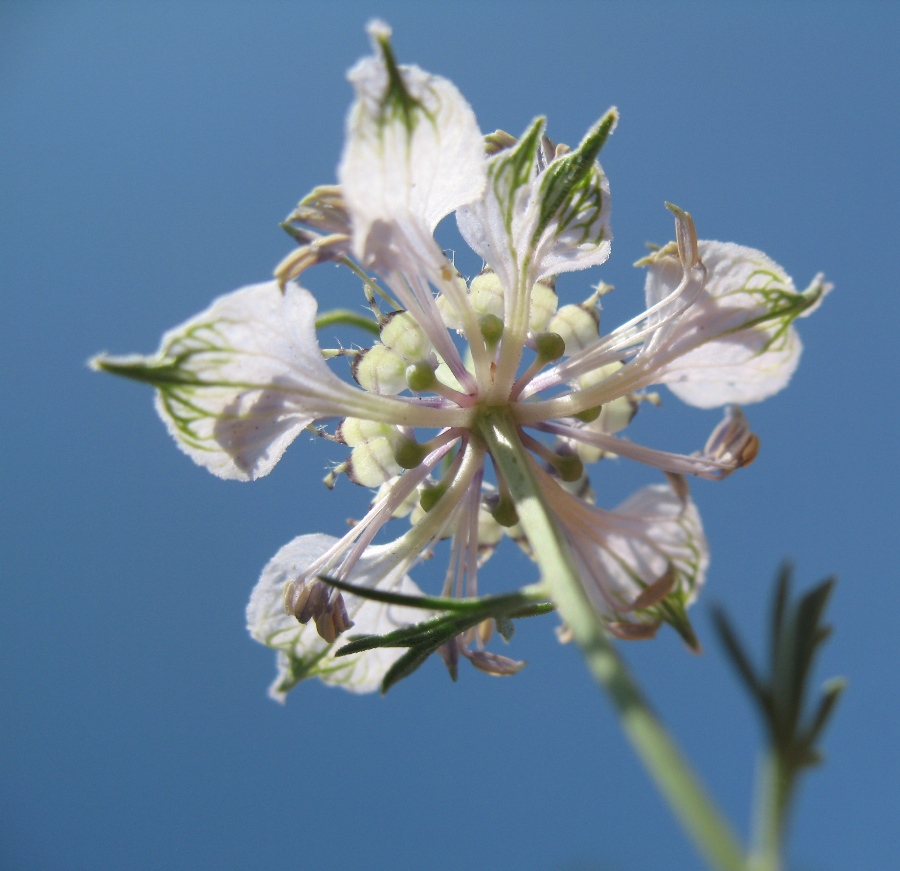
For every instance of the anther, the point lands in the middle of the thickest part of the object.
(549, 347)
(420, 377)
(491, 329)
(408, 453)
(429, 496)
(589, 415)
(504, 512)
(305, 600)
(331, 478)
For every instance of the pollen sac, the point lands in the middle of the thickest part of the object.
(333, 620)
(372, 463)
(543, 307)
(493, 663)
(380, 370)
(305, 599)
(402, 335)
(372, 460)
(314, 600)
(732, 442)
(486, 294)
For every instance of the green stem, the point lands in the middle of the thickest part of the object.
(772, 803)
(671, 772)
(368, 281)
(347, 318)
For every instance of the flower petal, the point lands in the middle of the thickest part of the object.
(547, 210)
(414, 153)
(238, 382)
(302, 652)
(649, 532)
(573, 231)
(625, 554)
(497, 224)
(736, 343)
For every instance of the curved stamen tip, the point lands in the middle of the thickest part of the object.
(686, 236)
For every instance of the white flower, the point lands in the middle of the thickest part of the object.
(237, 383)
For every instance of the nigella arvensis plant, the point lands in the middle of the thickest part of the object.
(465, 370)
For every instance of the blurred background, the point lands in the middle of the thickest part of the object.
(148, 152)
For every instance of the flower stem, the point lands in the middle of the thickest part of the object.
(773, 801)
(669, 769)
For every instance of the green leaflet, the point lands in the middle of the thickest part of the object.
(423, 639)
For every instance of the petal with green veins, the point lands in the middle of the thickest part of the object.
(736, 343)
(414, 153)
(302, 652)
(237, 383)
(625, 551)
(498, 225)
(573, 231)
(552, 218)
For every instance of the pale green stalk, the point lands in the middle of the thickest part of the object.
(772, 803)
(671, 772)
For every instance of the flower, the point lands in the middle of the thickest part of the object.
(237, 383)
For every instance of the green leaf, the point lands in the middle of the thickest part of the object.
(831, 692)
(408, 663)
(740, 660)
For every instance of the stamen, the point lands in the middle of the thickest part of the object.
(568, 466)
(501, 505)
(707, 466)
(548, 347)
(491, 330)
(421, 378)
(352, 545)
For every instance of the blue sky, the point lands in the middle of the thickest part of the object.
(149, 151)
